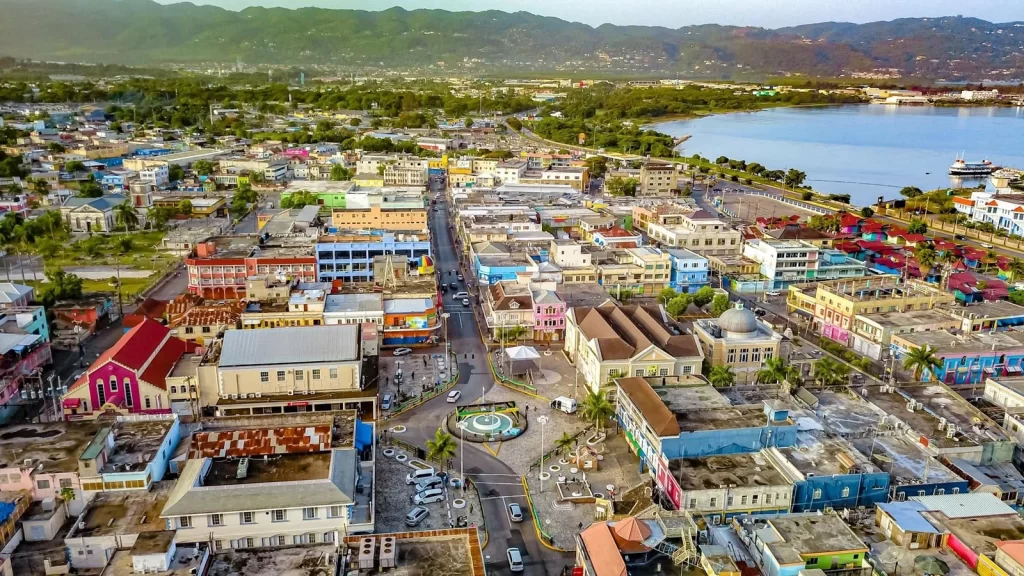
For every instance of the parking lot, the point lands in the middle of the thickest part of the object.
(420, 374)
(394, 500)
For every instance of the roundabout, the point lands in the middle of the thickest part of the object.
(489, 422)
(494, 424)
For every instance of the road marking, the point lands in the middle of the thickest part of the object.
(502, 497)
(493, 452)
(493, 474)
(488, 483)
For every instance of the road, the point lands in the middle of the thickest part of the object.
(497, 484)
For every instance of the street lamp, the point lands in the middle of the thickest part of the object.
(542, 419)
(447, 345)
(462, 457)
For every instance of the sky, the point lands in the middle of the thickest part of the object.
(677, 13)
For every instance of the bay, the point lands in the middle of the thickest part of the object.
(867, 150)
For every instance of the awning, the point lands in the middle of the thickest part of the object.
(1013, 369)
(72, 402)
(250, 322)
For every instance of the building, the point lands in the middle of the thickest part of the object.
(689, 271)
(354, 309)
(395, 175)
(610, 342)
(158, 176)
(665, 215)
(720, 487)
(787, 262)
(739, 340)
(349, 257)
(631, 546)
(700, 232)
(204, 322)
(130, 455)
(989, 316)
(260, 487)
(657, 179)
(15, 295)
(113, 521)
(411, 318)
(273, 304)
(642, 271)
(788, 544)
(91, 214)
(905, 525)
(1010, 556)
(966, 358)
(508, 311)
(578, 178)
(548, 316)
(828, 472)
(129, 377)
(976, 523)
(872, 333)
(220, 266)
(394, 216)
(157, 552)
(831, 307)
(615, 237)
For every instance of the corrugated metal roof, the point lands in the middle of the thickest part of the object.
(908, 516)
(408, 306)
(297, 345)
(975, 505)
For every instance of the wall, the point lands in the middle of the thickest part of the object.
(732, 441)
(864, 490)
(987, 567)
(962, 550)
(262, 529)
(248, 380)
(930, 489)
(125, 378)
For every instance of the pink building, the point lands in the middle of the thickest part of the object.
(14, 295)
(548, 316)
(21, 356)
(130, 377)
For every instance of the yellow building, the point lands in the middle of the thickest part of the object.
(831, 306)
(397, 216)
(369, 180)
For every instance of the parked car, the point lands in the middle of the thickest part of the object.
(454, 284)
(385, 402)
(959, 237)
(416, 515)
(460, 276)
(989, 246)
(428, 483)
(515, 560)
(773, 293)
(454, 396)
(402, 351)
(429, 496)
(419, 474)
(515, 512)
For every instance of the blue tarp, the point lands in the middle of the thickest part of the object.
(364, 434)
(6, 509)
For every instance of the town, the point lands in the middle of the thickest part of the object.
(430, 336)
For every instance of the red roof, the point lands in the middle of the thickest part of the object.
(963, 201)
(848, 219)
(615, 232)
(148, 345)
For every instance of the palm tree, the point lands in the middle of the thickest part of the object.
(126, 216)
(721, 376)
(40, 186)
(441, 448)
(596, 407)
(926, 259)
(776, 370)
(920, 360)
(1016, 268)
(949, 258)
(565, 442)
(828, 372)
(991, 258)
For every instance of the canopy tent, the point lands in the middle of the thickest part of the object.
(521, 359)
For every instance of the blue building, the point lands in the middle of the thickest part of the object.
(350, 257)
(965, 358)
(493, 269)
(828, 472)
(913, 471)
(689, 271)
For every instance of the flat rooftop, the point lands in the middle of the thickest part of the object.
(959, 345)
(814, 534)
(899, 320)
(847, 414)
(434, 553)
(821, 455)
(279, 468)
(232, 246)
(990, 309)
(56, 445)
(939, 402)
(905, 460)
(688, 396)
(713, 472)
(135, 444)
(182, 563)
(724, 419)
(981, 534)
(297, 561)
(882, 287)
(128, 512)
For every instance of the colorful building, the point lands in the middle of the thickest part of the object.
(410, 321)
(349, 256)
(689, 271)
(548, 316)
(220, 266)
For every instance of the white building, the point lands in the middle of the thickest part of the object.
(157, 175)
(785, 262)
(1004, 211)
(698, 232)
(354, 309)
(510, 171)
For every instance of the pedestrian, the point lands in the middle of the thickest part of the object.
(581, 526)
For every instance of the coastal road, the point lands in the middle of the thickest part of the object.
(497, 484)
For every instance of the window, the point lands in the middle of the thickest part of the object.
(663, 372)
(732, 357)
(743, 500)
(334, 512)
(247, 517)
(753, 499)
(219, 544)
(184, 521)
(264, 376)
(299, 375)
(206, 329)
(128, 393)
(328, 537)
(216, 520)
(279, 515)
(280, 375)
(113, 383)
(728, 501)
(920, 493)
(846, 492)
(148, 403)
(639, 372)
(687, 369)
(309, 513)
(693, 503)
(65, 482)
(332, 373)
(812, 560)
(817, 494)
(174, 389)
(43, 484)
(940, 491)
(714, 502)
(316, 373)
(956, 490)
(767, 498)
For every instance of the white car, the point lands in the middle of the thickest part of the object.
(402, 351)
(454, 396)
(515, 560)
(773, 294)
(465, 301)
(989, 246)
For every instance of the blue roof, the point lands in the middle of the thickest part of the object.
(907, 516)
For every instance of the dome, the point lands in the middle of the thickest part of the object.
(738, 321)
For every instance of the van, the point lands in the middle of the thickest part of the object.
(428, 483)
(419, 474)
(565, 404)
(385, 403)
(428, 496)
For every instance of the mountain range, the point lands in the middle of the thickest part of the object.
(142, 32)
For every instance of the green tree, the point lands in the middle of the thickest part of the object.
(910, 191)
(340, 173)
(721, 160)
(89, 189)
(175, 173)
(62, 286)
(926, 259)
(829, 372)
(381, 168)
(722, 376)
(776, 370)
(719, 305)
(596, 407)
(704, 296)
(469, 122)
(619, 186)
(565, 442)
(678, 305)
(795, 178)
(125, 216)
(1016, 268)
(666, 294)
(12, 190)
(203, 167)
(514, 123)
(158, 216)
(124, 244)
(807, 196)
(353, 122)
(597, 165)
(867, 212)
(920, 360)
(185, 207)
(917, 226)
(74, 166)
(441, 448)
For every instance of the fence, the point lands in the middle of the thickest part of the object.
(424, 398)
(544, 537)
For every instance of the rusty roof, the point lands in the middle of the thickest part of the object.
(261, 441)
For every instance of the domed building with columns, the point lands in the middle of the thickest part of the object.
(738, 339)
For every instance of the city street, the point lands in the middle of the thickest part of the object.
(497, 483)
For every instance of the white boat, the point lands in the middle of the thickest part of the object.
(961, 167)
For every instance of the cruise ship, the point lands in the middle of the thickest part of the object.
(963, 168)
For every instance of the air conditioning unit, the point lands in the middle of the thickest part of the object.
(233, 396)
(250, 395)
(291, 392)
(259, 395)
